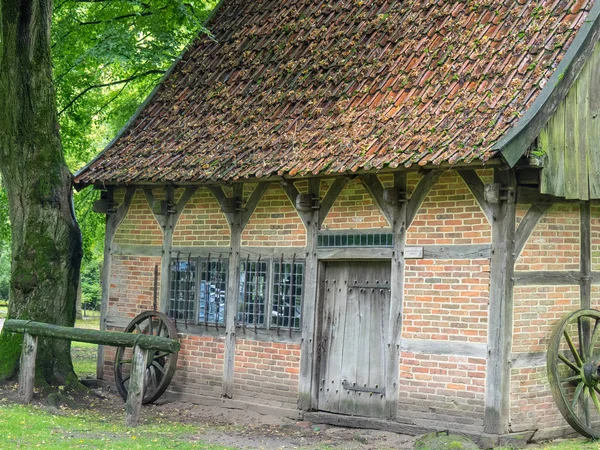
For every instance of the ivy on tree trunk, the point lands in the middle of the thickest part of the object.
(46, 241)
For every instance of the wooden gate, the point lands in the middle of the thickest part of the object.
(353, 338)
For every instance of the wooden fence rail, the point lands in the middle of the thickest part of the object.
(142, 344)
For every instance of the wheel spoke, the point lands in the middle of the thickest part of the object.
(158, 366)
(593, 339)
(151, 327)
(564, 359)
(586, 405)
(125, 361)
(595, 399)
(573, 350)
(580, 335)
(569, 379)
(161, 355)
(577, 394)
(126, 378)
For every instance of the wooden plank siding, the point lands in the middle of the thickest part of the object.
(567, 144)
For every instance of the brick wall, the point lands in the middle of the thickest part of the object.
(446, 300)
(202, 223)
(449, 215)
(436, 390)
(267, 373)
(139, 226)
(132, 285)
(199, 366)
(553, 245)
(353, 209)
(274, 223)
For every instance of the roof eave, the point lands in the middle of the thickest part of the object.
(518, 139)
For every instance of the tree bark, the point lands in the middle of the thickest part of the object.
(46, 241)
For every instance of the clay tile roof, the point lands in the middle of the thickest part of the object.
(300, 87)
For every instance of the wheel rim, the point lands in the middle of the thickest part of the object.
(161, 365)
(573, 362)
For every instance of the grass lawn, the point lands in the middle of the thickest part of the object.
(26, 427)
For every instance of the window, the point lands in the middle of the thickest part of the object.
(351, 239)
(213, 289)
(270, 292)
(253, 288)
(286, 306)
(183, 289)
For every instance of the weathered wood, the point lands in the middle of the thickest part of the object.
(135, 391)
(532, 196)
(307, 384)
(581, 130)
(546, 278)
(330, 197)
(500, 315)
(536, 359)
(477, 188)
(375, 188)
(113, 220)
(593, 129)
(419, 194)
(114, 338)
(136, 250)
(292, 194)
(231, 298)
(27, 367)
(449, 348)
(585, 256)
(467, 251)
(570, 146)
(527, 225)
(394, 325)
(253, 200)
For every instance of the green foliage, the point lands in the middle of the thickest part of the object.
(107, 57)
(4, 271)
(91, 292)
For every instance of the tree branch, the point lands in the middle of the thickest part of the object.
(112, 83)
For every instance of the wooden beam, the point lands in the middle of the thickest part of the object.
(447, 348)
(477, 188)
(532, 196)
(394, 330)
(292, 193)
(307, 382)
(375, 188)
(27, 368)
(419, 194)
(330, 197)
(585, 237)
(500, 313)
(467, 251)
(527, 225)
(135, 390)
(231, 298)
(252, 202)
(358, 253)
(546, 278)
(113, 220)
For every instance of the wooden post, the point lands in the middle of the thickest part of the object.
(585, 290)
(307, 388)
(113, 220)
(135, 391)
(396, 299)
(500, 313)
(231, 300)
(27, 370)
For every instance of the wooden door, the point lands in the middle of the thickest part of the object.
(354, 338)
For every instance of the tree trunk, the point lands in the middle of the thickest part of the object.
(46, 241)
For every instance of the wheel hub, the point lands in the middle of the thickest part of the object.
(591, 372)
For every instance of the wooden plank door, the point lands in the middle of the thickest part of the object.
(353, 338)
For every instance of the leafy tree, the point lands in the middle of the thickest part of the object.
(107, 56)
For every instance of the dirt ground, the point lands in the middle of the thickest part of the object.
(241, 429)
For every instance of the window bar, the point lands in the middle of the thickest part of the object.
(217, 297)
(245, 293)
(279, 294)
(187, 289)
(256, 294)
(291, 312)
(177, 280)
(207, 282)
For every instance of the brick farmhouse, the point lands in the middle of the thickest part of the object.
(365, 212)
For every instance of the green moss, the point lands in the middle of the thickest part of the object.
(10, 349)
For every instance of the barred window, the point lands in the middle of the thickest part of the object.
(182, 299)
(286, 307)
(253, 288)
(213, 289)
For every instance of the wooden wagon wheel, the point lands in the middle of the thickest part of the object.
(573, 362)
(161, 365)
